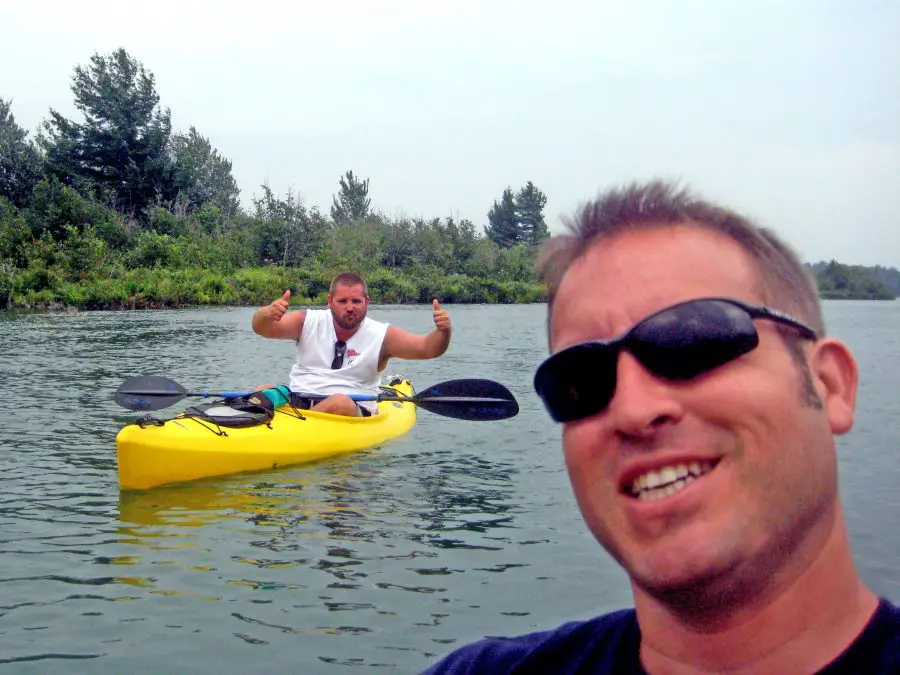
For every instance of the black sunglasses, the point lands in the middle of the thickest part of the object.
(340, 348)
(679, 342)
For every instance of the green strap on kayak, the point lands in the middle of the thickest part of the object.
(279, 395)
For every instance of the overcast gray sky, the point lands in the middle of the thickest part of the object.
(788, 111)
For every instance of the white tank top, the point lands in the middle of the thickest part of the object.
(359, 374)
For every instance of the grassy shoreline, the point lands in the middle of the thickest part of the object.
(158, 288)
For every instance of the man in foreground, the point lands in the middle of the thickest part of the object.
(340, 350)
(699, 399)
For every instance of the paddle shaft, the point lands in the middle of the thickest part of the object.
(319, 397)
(468, 399)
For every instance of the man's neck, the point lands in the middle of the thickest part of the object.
(343, 334)
(797, 624)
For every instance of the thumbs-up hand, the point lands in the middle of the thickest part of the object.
(441, 318)
(280, 306)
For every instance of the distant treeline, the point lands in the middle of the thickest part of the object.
(117, 210)
(844, 282)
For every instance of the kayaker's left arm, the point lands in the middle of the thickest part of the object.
(404, 345)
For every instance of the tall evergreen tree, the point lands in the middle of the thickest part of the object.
(119, 150)
(518, 218)
(530, 203)
(20, 162)
(503, 226)
(352, 202)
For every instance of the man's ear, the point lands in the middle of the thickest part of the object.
(836, 376)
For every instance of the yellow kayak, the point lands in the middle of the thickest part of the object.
(189, 447)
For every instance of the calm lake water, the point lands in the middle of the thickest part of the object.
(376, 562)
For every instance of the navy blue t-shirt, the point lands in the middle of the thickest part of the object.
(611, 644)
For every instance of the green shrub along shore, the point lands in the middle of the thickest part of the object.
(42, 289)
(120, 211)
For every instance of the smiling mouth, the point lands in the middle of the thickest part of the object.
(666, 481)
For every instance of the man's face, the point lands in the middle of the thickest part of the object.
(764, 452)
(348, 305)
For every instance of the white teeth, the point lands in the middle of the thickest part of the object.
(669, 475)
(668, 480)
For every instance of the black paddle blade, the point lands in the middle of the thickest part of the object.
(149, 392)
(472, 399)
(467, 387)
(475, 408)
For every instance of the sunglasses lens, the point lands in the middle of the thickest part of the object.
(679, 343)
(685, 341)
(577, 382)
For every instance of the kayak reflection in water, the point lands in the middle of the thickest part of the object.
(340, 351)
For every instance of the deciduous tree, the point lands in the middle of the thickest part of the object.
(289, 232)
(201, 176)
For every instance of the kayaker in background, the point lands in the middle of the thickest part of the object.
(340, 350)
(699, 419)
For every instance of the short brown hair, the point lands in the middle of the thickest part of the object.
(784, 283)
(349, 279)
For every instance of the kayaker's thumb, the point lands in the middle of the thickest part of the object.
(287, 295)
(436, 304)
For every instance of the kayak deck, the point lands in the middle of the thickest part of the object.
(185, 448)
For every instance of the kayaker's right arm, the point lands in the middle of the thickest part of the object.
(273, 321)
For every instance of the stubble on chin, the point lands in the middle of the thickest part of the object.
(349, 324)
